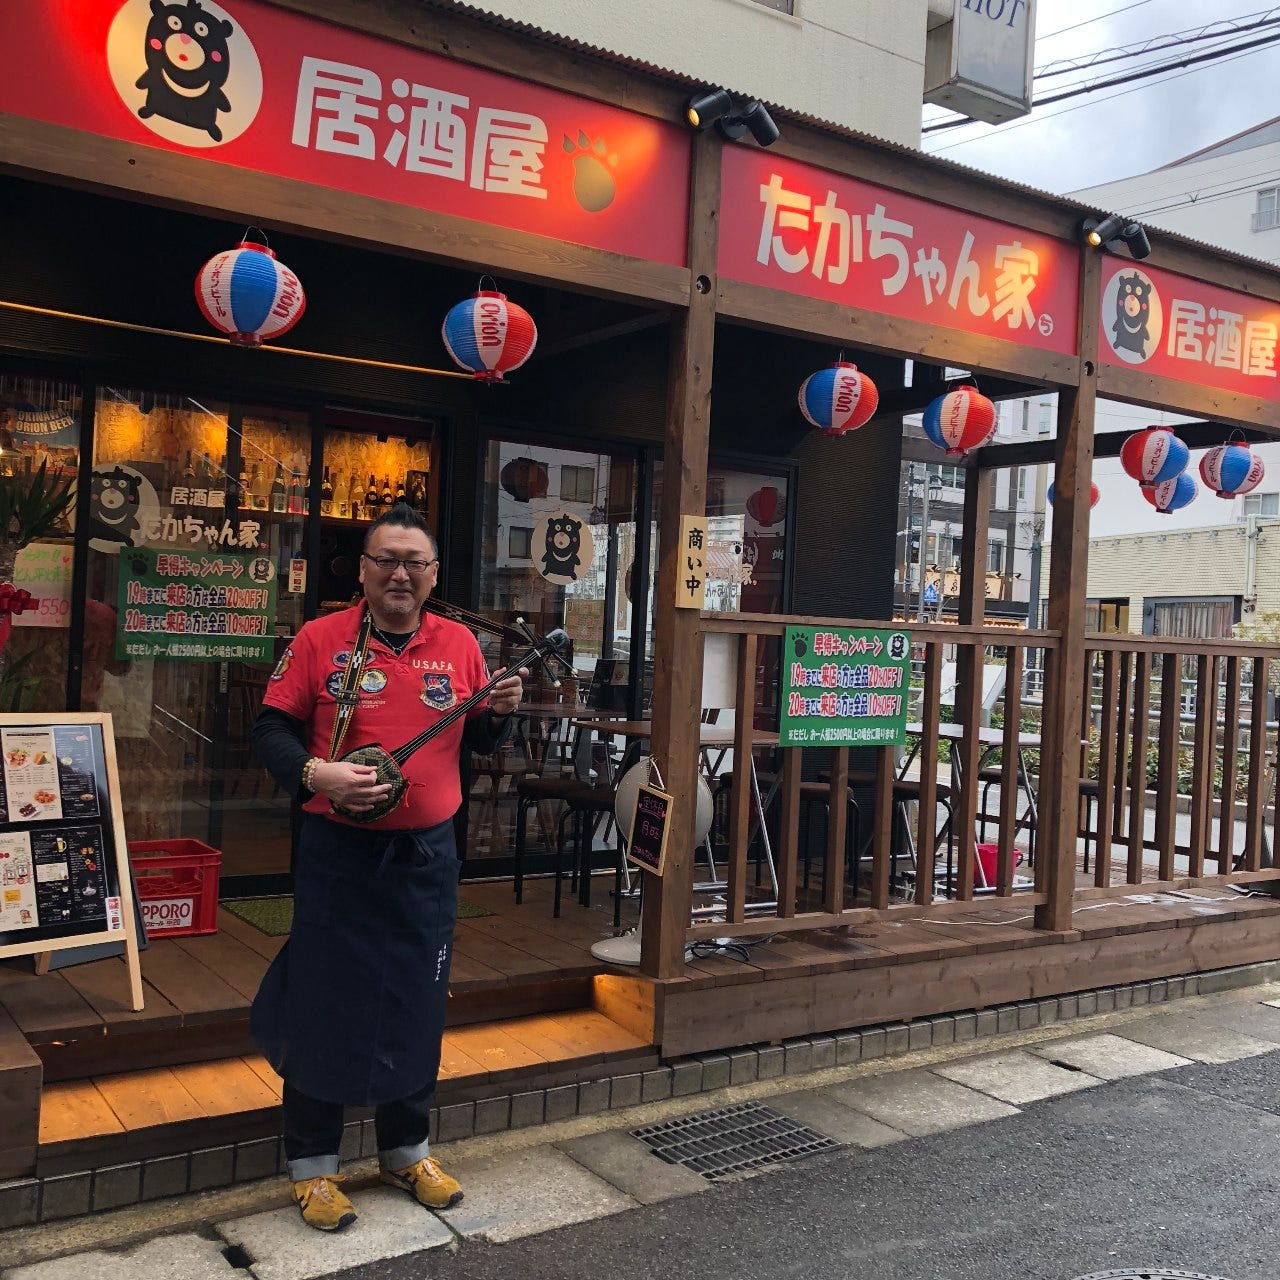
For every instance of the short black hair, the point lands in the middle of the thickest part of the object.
(402, 516)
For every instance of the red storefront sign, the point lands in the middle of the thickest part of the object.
(1175, 327)
(254, 87)
(794, 227)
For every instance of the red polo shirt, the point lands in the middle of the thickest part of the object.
(399, 698)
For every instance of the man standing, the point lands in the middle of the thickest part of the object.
(351, 1012)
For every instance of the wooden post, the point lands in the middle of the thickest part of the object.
(1068, 569)
(677, 633)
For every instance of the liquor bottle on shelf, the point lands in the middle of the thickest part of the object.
(278, 501)
(306, 494)
(354, 496)
(217, 493)
(295, 493)
(400, 489)
(371, 499)
(326, 495)
(386, 493)
(257, 498)
(244, 495)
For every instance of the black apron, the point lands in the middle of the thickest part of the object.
(352, 1009)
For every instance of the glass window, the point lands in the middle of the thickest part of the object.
(520, 543)
(1268, 211)
(1262, 504)
(577, 484)
(995, 556)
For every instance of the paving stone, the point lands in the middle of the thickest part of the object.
(1191, 984)
(212, 1167)
(562, 1103)
(742, 1066)
(117, 1185)
(848, 1048)
(1028, 1015)
(1140, 993)
(1160, 990)
(1068, 1008)
(519, 1193)
(1087, 1003)
(1226, 980)
(824, 1111)
(165, 1176)
(283, 1247)
(655, 1085)
(493, 1115)
(1175, 988)
(1198, 1036)
(1006, 1019)
(624, 1091)
(1106, 1000)
(986, 1022)
(1016, 1077)
(919, 1035)
(630, 1166)
(593, 1097)
(184, 1257)
(457, 1121)
(686, 1078)
(824, 1052)
(799, 1057)
(1124, 997)
(919, 1102)
(19, 1203)
(1109, 1057)
(942, 1030)
(1250, 1017)
(897, 1036)
(528, 1108)
(1048, 1012)
(261, 1159)
(873, 1043)
(715, 1071)
(66, 1196)
(348, 1150)
(771, 1061)
(966, 1026)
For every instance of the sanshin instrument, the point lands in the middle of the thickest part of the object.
(390, 764)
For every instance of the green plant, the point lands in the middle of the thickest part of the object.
(31, 506)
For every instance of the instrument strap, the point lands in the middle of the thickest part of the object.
(348, 695)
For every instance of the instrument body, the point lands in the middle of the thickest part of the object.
(388, 772)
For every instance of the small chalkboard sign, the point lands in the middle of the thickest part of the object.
(647, 845)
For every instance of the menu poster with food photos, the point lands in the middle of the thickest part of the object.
(66, 889)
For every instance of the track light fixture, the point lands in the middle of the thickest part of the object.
(1114, 231)
(732, 117)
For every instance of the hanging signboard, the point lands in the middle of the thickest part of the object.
(692, 563)
(282, 93)
(647, 843)
(979, 62)
(64, 862)
(214, 607)
(844, 686)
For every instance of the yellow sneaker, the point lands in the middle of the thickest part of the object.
(427, 1182)
(323, 1205)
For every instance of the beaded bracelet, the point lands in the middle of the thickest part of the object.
(309, 773)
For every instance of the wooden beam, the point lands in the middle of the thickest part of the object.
(677, 633)
(1136, 387)
(1068, 567)
(596, 333)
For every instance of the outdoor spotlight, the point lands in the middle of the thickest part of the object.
(1114, 231)
(706, 108)
(750, 117)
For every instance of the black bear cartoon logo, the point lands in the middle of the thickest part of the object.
(188, 62)
(1133, 311)
(563, 542)
(113, 506)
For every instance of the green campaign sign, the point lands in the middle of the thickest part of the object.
(211, 606)
(845, 687)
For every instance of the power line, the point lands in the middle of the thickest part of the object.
(1076, 27)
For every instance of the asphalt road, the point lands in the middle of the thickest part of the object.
(1175, 1171)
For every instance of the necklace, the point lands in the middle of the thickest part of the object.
(397, 642)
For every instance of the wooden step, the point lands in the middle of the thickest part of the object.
(21, 1075)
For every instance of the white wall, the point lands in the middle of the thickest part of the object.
(858, 63)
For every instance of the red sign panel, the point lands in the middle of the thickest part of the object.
(1175, 327)
(254, 87)
(805, 230)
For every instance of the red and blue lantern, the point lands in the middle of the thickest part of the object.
(1154, 455)
(838, 399)
(488, 335)
(961, 420)
(1171, 495)
(1232, 469)
(249, 294)
(1094, 494)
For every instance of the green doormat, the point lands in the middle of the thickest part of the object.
(274, 916)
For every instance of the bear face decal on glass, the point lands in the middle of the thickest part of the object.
(563, 547)
(120, 498)
(185, 69)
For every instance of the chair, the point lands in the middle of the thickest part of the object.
(815, 793)
(1088, 802)
(907, 791)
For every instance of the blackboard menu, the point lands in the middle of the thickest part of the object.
(647, 846)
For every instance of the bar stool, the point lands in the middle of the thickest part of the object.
(815, 793)
(1089, 803)
(907, 791)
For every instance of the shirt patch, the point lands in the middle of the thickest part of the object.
(342, 657)
(286, 660)
(333, 682)
(373, 680)
(438, 691)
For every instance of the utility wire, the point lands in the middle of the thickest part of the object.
(1111, 13)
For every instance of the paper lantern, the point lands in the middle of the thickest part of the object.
(1094, 494)
(961, 420)
(1171, 495)
(1231, 469)
(488, 335)
(1153, 455)
(524, 479)
(838, 399)
(767, 506)
(249, 294)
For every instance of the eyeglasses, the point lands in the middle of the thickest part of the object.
(389, 564)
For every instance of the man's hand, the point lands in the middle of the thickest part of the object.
(353, 786)
(506, 694)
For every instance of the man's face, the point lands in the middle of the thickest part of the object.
(396, 597)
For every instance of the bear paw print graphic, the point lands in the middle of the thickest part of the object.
(138, 564)
(801, 647)
(593, 184)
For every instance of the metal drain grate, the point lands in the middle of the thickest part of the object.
(732, 1139)
(1146, 1273)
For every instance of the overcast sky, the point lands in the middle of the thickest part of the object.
(1085, 141)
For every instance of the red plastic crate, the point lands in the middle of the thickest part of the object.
(177, 886)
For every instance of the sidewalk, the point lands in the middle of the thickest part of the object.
(525, 1182)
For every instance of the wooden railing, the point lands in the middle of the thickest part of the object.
(1201, 708)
